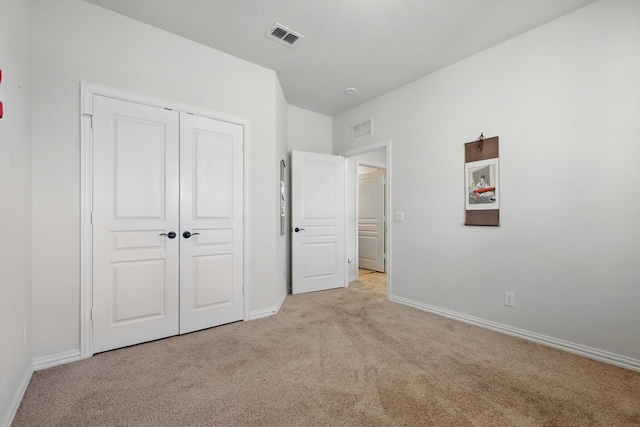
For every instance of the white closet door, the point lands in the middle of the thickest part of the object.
(211, 211)
(136, 198)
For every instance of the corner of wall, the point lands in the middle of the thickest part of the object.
(16, 324)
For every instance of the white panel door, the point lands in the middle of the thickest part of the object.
(211, 224)
(135, 206)
(371, 220)
(318, 218)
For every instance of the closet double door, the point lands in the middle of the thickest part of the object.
(167, 223)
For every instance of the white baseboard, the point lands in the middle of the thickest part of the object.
(15, 404)
(581, 350)
(55, 360)
(266, 312)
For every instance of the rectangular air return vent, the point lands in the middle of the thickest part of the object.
(284, 35)
(362, 129)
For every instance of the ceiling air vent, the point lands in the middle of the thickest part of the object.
(362, 129)
(284, 35)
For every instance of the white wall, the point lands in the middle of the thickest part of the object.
(565, 102)
(309, 131)
(74, 41)
(283, 252)
(15, 206)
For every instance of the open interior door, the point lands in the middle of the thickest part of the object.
(318, 221)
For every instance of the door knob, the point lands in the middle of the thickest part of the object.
(298, 229)
(188, 234)
(170, 234)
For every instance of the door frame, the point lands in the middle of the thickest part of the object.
(87, 91)
(385, 214)
(387, 145)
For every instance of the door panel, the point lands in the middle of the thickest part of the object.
(139, 289)
(371, 221)
(318, 206)
(139, 168)
(135, 198)
(211, 263)
(214, 280)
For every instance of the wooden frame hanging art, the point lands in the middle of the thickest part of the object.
(482, 182)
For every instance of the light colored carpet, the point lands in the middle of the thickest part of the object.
(344, 357)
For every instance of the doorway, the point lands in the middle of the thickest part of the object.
(164, 195)
(371, 218)
(376, 277)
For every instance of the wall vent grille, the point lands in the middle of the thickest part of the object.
(362, 129)
(284, 35)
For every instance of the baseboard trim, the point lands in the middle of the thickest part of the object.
(581, 350)
(266, 312)
(55, 360)
(17, 399)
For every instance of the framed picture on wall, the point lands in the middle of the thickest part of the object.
(482, 185)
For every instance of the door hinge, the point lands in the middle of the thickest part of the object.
(91, 217)
(91, 314)
(91, 120)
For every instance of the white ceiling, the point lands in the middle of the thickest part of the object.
(372, 45)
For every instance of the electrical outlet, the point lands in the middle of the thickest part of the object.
(398, 216)
(510, 299)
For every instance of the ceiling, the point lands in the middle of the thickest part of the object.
(372, 45)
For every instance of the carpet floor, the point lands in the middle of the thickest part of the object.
(344, 357)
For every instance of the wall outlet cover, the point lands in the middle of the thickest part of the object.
(510, 299)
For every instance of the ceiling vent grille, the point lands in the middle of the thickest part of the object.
(362, 129)
(284, 35)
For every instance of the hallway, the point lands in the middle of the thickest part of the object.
(371, 281)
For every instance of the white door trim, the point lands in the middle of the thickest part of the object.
(87, 91)
(389, 198)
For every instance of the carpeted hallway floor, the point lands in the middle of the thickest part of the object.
(345, 357)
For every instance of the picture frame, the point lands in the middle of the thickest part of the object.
(482, 185)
